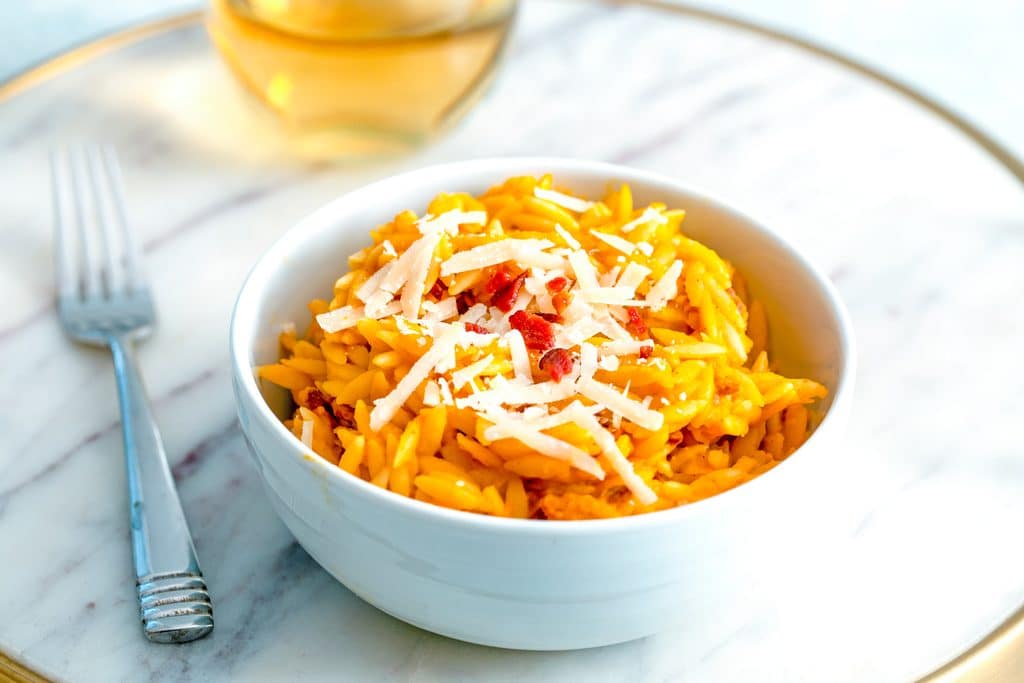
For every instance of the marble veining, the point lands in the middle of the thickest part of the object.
(920, 231)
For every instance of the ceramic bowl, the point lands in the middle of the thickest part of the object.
(529, 584)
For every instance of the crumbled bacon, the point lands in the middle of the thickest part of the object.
(645, 352)
(473, 327)
(561, 301)
(636, 325)
(464, 300)
(438, 290)
(551, 317)
(314, 399)
(557, 284)
(499, 280)
(537, 332)
(557, 363)
(345, 414)
(505, 298)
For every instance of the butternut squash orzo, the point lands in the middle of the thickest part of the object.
(528, 353)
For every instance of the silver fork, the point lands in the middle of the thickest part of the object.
(103, 300)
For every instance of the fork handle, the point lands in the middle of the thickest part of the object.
(173, 600)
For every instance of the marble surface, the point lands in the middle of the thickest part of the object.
(920, 231)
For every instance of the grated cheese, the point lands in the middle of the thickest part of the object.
(588, 360)
(373, 283)
(633, 275)
(507, 393)
(389, 248)
(340, 318)
(526, 252)
(567, 237)
(645, 248)
(419, 267)
(586, 275)
(609, 363)
(625, 348)
(647, 216)
(473, 313)
(520, 356)
(633, 411)
(431, 394)
(563, 200)
(465, 375)
(307, 433)
(622, 466)
(446, 392)
(505, 427)
(385, 407)
(449, 221)
(615, 242)
(666, 288)
(537, 417)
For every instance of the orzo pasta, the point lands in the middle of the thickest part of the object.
(528, 353)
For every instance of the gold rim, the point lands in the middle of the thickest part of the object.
(983, 661)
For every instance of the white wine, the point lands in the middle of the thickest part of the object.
(363, 76)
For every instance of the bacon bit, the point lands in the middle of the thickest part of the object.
(438, 290)
(557, 363)
(346, 415)
(506, 297)
(561, 301)
(499, 280)
(557, 284)
(636, 325)
(314, 399)
(536, 331)
(473, 327)
(645, 352)
(464, 301)
(551, 317)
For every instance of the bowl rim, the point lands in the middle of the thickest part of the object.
(246, 388)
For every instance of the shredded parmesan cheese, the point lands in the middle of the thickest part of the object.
(563, 200)
(520, 357)
(615, 242)
(632, 276)
(461, 377)
(666, 288)
(307, 433)
(647, 216)
(586, 275)
(340, 318)
(637, 486)
(449, 221)
(527, 252)
(431, 394)
(384, 408)
(505, 427)
(626, 348)
(569, 240)
(633, 411)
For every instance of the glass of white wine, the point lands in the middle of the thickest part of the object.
(363, 77)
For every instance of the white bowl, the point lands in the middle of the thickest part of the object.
(530, 584)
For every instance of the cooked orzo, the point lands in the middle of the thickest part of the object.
(529, 353)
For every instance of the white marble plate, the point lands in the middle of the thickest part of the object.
(922, 232)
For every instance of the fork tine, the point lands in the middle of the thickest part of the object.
(112, 272)
(89, 272)
(68, 286)
(132, 256)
